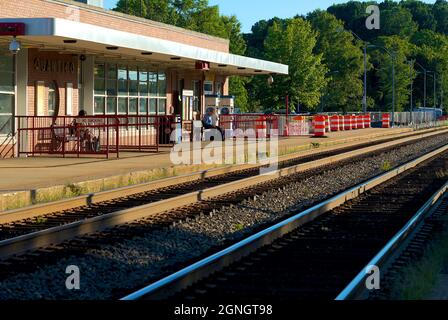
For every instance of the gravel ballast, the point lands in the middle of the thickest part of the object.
(131, 263)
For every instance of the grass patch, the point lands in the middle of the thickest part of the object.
(386, 165)
(74, 189)
(41, 220)
(416, 281)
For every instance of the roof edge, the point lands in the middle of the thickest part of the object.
(132, 18)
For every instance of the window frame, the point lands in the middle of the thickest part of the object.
(11, 94)
(144, 79)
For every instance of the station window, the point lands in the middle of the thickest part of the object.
(122, 89)
(7, 94)
(52, 100)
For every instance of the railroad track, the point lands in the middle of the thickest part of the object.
(52, 257)
(322, 252)
(23, 235)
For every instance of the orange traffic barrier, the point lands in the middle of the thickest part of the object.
(354, 124)
(334, 123)
(327, 124)
(367, 123)
(360, 121)
(341, 123)
(386, 120)
(319, 126)
(348, 122)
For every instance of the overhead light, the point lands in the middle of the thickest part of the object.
(146, 53)
(222, 65)
(112, 48)
(70, 41)
(175, 58)
(15, 46)
(270, 80)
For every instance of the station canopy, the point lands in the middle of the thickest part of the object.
(66, 36)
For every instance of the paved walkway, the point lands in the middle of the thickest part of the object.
(38, 172)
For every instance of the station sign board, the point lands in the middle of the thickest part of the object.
(12, 29)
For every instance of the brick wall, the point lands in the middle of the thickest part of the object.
(46, 67)
(65, 9)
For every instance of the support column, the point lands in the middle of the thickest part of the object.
(22, 83)
(86, 100)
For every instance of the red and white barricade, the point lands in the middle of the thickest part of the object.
(360, 121)
(347, 122)
(353, 122)
(319, 126)
(334, 123)
(386, 120)
(341, 123)
(367, 123)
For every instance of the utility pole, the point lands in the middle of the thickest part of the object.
(393, 56)
(364, 98)
(411, 109)
(441, 91)
(434, 76)
(424, 85)
(393, 89)
(424, 100)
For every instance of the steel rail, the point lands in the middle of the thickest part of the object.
(199, 270)
(356, 287)
(95, 198)
(59, 234)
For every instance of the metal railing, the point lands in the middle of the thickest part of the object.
(264, 125)
(92, 135)
(7, 146)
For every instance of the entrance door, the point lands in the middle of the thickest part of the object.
(187, 105)
(187, 115)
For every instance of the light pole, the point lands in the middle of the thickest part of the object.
(434, 76)
(392, 55)
(441, 91)
(424, 85)
(411, 109)
(365, 44)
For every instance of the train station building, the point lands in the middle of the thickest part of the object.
(60, 56)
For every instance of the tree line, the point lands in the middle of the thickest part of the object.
(325, 58)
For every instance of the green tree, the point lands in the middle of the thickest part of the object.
(237, 85)
(396, 20)
(344, 58)
(401, 49)
(431, 50)
(292, 43)
(440, 11)
(156, 10)
(194, 15)
(255, 39)
(422, 13)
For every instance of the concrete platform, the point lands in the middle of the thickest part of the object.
(56, 178)
(36, 172)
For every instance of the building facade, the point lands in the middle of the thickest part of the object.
(76, 56)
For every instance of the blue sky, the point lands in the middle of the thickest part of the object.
(251, 11)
